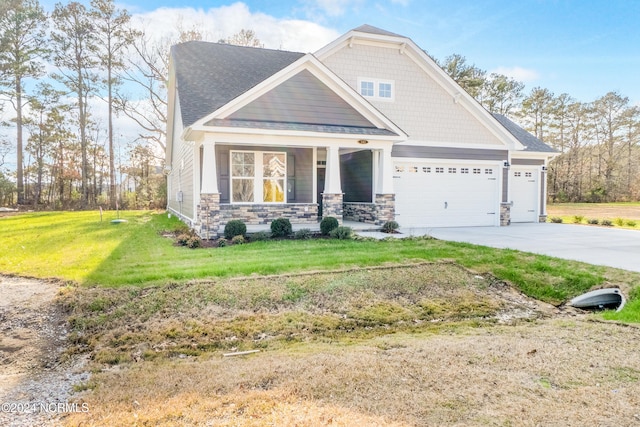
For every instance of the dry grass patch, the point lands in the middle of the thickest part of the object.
(415, 345)
(569, 373)
(611, 211)
(132, 324)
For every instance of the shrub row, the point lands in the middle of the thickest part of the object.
(235, 232)
(578, 219)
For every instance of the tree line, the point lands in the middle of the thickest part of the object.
(56, 68)
(597, 142)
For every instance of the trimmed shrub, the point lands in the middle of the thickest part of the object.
(594, 221)
(619, 222)
(182, 239)
(577, 219)
(194, 242)
(238, 240)
(328, 224)
(281, 227)
(631, 223)
(222, 242)
(556, 220)
(390, 227)
(302, 234)
(235, 227)
(606, 222)
(260, 236)
(341, 233)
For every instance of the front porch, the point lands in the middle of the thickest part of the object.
(257, 184)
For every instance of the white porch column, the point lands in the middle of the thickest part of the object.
(332, 183)
(385, 172)
(209, 175)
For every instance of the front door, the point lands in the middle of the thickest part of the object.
(320, 189)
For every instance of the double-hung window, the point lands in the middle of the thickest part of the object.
(258, 177)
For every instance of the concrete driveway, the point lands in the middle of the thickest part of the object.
(612, 247)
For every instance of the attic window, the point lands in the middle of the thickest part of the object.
(366, 88)
(377, 89)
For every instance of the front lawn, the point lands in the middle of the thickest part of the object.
(78, 247)
(344, 332)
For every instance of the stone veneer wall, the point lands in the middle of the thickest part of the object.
(207, 224)
(542, 218)
(332, 206)
(360, 212)
(383, 210)
(255, 214)
(505, 214)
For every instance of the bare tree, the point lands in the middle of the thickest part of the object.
(149, 69)
(243, 38)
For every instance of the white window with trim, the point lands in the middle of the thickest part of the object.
(383, 90)
(258, 177)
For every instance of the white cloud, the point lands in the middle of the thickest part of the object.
(318, 10)
(518, 73)
(221, 22)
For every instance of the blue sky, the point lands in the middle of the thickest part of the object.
(584, 48)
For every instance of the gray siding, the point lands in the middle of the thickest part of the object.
(181, 179)
(448, 153)
(543, 186)
(527, 162)
(505, 185)
(302, 99)
(299, 171)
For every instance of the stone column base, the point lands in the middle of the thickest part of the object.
(505, 214)
(207, 224)
(542, 218)
(332, 206)
(385, 208)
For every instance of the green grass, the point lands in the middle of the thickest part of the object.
(77, 246)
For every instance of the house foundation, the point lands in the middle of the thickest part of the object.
(258, 214)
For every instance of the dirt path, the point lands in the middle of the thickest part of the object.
(34, 379)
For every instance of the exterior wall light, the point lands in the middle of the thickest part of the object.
(363, 141)
(507, 164)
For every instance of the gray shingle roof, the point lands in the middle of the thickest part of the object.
(370, 29)
(525, 138)
(209, 75)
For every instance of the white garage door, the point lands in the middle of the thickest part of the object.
(446, 195)
(524, 194)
